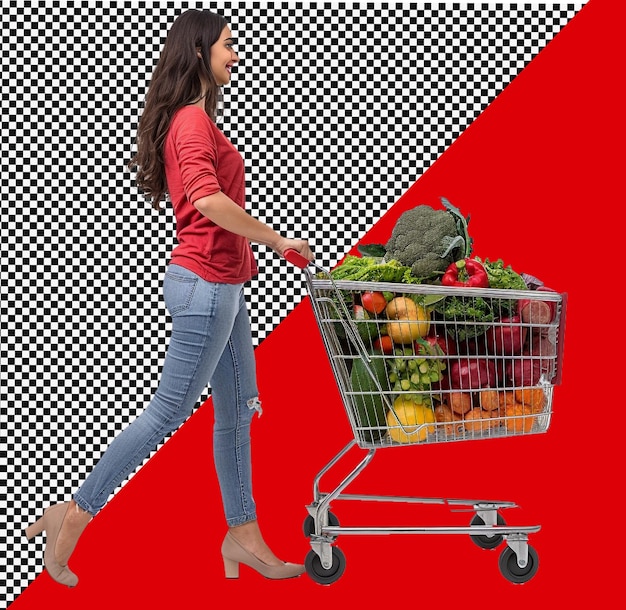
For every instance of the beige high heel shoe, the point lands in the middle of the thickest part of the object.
(234, 554)
(51, 524)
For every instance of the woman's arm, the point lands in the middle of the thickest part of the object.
(224, 212)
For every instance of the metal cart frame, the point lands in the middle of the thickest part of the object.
(325, 563)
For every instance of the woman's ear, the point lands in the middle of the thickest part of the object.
(199, 52)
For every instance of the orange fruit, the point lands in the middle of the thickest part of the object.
(492, 418)
(507, 398)
(518, 418)
(453, 423)
(474, 421)
(401, 308)
(532, 397)
(489, 399)
(408, 321)
(460, 402)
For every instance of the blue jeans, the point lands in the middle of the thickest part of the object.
(211, 343)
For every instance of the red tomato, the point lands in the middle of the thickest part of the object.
(374, 302)
(384, 344)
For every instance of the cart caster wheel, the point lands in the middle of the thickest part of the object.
(309, 524)
(512, 572)
(319, 574)
(487, 542)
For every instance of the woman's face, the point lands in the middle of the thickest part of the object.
(223, 57)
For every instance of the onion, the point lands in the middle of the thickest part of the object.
(523, 373)
(472, 374)
(506, 337)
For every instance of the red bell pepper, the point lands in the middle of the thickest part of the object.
(466, 272)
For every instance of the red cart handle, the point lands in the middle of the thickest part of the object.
(295, 258)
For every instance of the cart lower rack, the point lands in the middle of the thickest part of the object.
(418, 364)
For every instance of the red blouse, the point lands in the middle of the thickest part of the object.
(201, 161)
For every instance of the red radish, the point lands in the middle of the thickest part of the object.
(506, 337)
(533, 311)
(359, 312)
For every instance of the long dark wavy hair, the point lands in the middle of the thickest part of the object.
(179, 78)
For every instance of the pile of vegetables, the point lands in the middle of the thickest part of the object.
(455, 363)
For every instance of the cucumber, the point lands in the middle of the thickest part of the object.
(370, 410)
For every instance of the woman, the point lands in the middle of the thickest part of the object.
(181, 151)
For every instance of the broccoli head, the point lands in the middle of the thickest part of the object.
(428, 240)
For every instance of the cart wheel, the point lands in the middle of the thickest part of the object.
(511, 571)
(483, 541)
(318, 573)
(309, 524)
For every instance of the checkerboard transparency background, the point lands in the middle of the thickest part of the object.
(336, 108)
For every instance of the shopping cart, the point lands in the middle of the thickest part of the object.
(468, 366)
